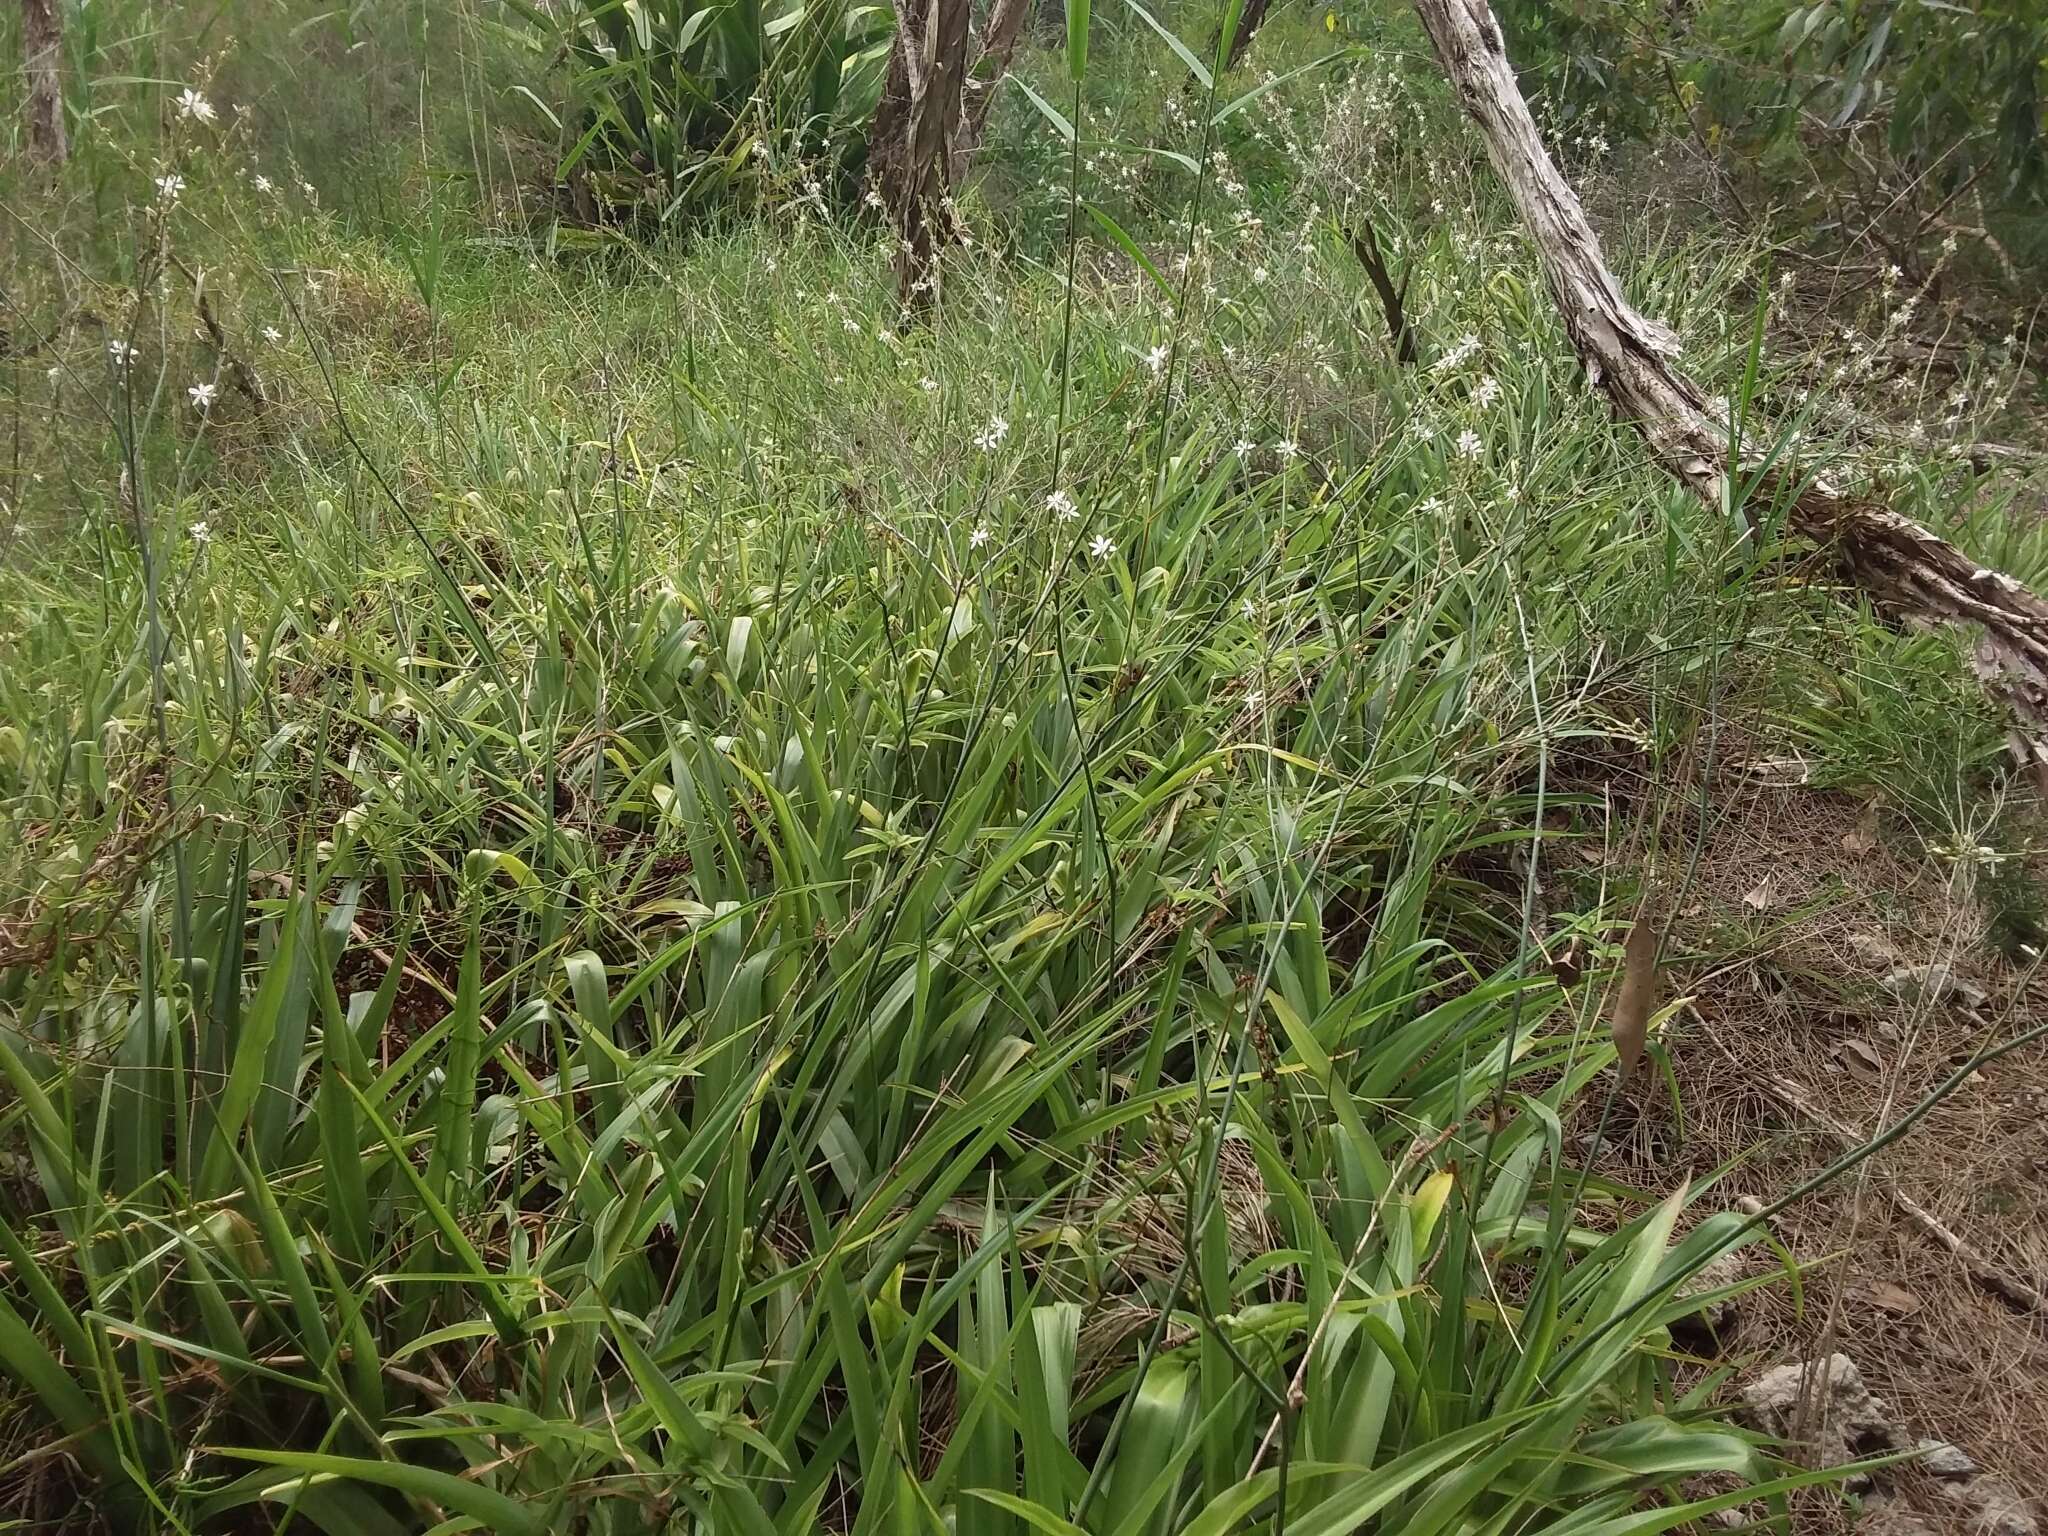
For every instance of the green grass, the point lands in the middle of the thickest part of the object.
(613, 923)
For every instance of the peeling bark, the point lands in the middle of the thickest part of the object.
(42, 50)
(929, 123)
(1910, 571)
(935, 75)
(998, 46)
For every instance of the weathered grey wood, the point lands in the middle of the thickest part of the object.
(1906, 569)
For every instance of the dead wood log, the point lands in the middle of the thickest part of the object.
(1909, 571)
(42, 49)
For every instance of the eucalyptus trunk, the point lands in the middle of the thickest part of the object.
(42, 52)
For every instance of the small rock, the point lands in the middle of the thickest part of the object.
(1988, 1506)
(1893, 1519)
(1712, 1316)
(1935, 983)
(1841, 1420)
(1940, 1459)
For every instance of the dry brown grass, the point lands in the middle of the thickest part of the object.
(1815, 913)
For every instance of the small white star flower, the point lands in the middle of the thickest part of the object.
(202, 395)
(272, 334)
(991, 435)
(1243, 447)
(56, 374)
(1260, 276)
(1102, 546)
(1156, 360)
(168, 187)
(928, 385)
(120, 352)
(1487, 391)
(1467, 346)
(264, 185)
(1469, 445)
(1061, 506)
(195, 106)
(200, 533)
(1287, 448)
(979, 537)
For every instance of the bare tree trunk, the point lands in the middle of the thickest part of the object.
(42, 50)
(916, 126)
(929, 123)
(998, 46)
(1905, 568)
(1248, 23)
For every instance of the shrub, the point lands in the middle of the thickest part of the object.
(685, 107)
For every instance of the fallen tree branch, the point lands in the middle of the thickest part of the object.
(1911, 572)
(2011, 1289)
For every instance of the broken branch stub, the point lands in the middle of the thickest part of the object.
(1908, 570)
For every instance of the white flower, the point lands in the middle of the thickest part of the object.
(928, 385)
(1156, 360)
(978, 538)
(1246, 608)
(202, 395)
(193, 105)
(265, 185)
(1061, 506)
(120, 352)
(168, 187)
(1468, 443)
(1287, 448)
(1102, 546)
(992, 434)
(1467, 346)
(1260, 275)
(307, 188)
(272, 334)
(1487, 391)
(56, 374)
(200, 533)
(852, 326)
(1243, 447)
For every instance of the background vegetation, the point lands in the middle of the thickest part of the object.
(637, 894)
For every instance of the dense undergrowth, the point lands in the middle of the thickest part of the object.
(638, 897)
